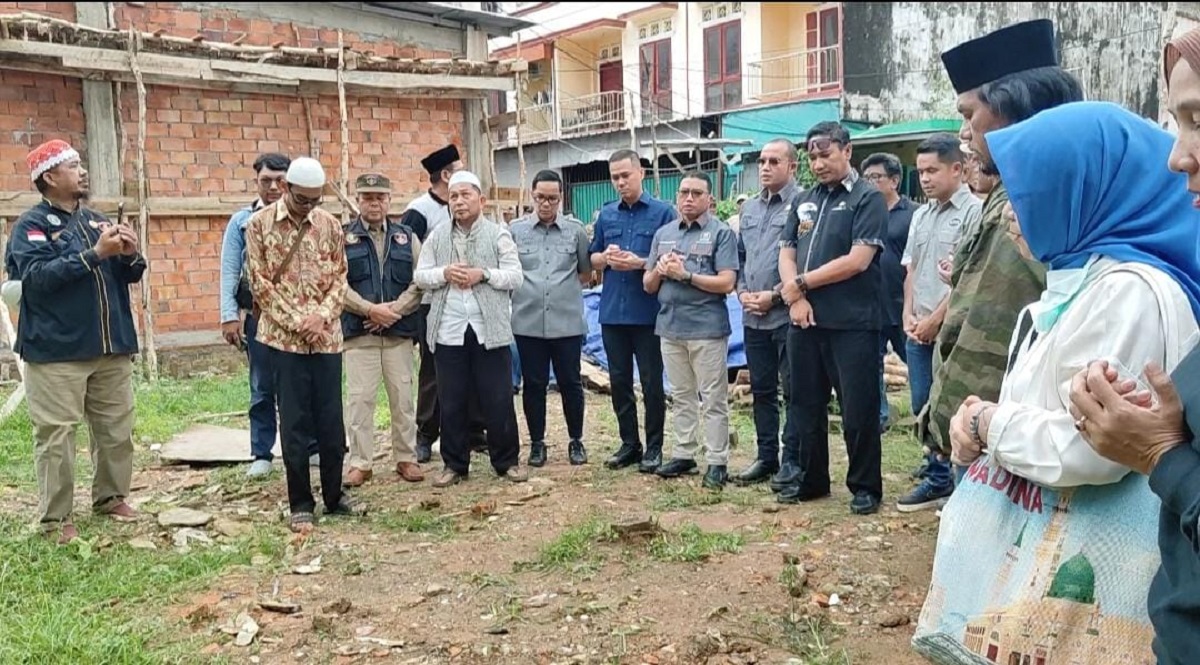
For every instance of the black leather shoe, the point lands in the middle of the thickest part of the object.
(651, 460)
(676, 468)
(627, 455)
(716, 477)
(794, 493)
(424, 451)
(576, 453)
(756, 473)
(788, 474)
(537, 454)
(864, 503)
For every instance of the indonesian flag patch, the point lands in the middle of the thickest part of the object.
(36, 236)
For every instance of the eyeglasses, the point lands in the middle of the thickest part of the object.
(772, 161)
(267, 182)
(546, 200)
(691, 193)
(875, 177)
(305, 202)
(821, 144)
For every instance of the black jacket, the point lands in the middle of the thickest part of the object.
(74, 306)
(376, 283)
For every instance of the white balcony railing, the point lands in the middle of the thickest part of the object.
(592, 114)
(795, 74)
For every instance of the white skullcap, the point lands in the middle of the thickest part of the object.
(467, 177)
(306, 172)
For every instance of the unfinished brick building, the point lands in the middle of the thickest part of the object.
(223, 83)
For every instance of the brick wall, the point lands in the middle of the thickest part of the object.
(202, 143)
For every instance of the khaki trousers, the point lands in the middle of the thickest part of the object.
(389, 360)
(699, 381)
(61, 396)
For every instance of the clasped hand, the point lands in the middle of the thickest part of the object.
(462, 275)
(670, 266)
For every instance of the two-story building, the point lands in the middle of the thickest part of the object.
(633, 74)
(713, 81)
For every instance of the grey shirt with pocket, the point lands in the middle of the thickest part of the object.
(549, 303)
(935, 231)
(686, 312)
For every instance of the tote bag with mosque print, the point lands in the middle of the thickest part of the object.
(1030, 575)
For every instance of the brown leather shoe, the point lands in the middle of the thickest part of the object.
(516, 475)
(64, 535)
(357, 477)
(121, 511)
(410, 472)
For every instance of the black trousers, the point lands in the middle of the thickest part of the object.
(536, 356)
(849, 359)
(766, 357)
(309, 390)
(429, 415)
(622, 345)
(469, 370)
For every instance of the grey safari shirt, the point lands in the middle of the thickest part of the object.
(762, 221)
(684, 311)
(549, 304)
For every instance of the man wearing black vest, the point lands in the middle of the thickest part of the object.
(380, 323)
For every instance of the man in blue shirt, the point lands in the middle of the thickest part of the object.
(269, 169)
(620, 244)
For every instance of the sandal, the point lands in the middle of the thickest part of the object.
(348, 506)
(302, 522)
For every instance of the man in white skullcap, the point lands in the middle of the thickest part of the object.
(297, 261)
(470, 268)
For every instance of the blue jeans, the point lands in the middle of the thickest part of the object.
(920, 380)
(263, 414)
(895, 335)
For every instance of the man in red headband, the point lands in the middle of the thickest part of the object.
(76, 336)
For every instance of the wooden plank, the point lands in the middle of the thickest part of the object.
(171, 69)
(99, 113)
(13, 204)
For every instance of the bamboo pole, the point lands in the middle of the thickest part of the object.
(491, 147)
(520, 144)
(341, 84)
(314, 146)
(150, 358)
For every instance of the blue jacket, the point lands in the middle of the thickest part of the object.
(74, 306)
(378, 283)
(233, 258)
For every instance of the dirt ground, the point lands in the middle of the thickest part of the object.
(492, 572)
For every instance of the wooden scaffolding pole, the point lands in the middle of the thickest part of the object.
(314, 147)
(150, 357)
(491, 148)
(520, 145)
(344, 184)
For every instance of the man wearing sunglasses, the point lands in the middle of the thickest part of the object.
(830, 268)
(298, 273)
(764, 315)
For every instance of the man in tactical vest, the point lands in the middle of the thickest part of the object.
(380, 323)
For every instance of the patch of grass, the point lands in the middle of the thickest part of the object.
(417, 521)
(82, 605)
(575, 550)
(692, 544)
(682, 496)
(805, 637)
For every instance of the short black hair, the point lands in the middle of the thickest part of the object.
(892, 167)
(833, 130)
(945, 145)
(788, 146)
(546, 175)
(273, 161)
(698, 175)
(1021, 95)
(41, 184)
(624, 154)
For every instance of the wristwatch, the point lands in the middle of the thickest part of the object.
(974, 429)
(687, 278)
(487, 276)
(802, 283)
(776, 297)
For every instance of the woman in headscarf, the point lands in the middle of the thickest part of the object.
(1155, 440)
(1065, 533)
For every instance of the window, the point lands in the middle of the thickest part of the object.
(822, 38)
(656, 80)
(723, 66)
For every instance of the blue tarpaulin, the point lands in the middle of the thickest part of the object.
(593, 345)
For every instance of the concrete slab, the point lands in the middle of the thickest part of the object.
(211, 444)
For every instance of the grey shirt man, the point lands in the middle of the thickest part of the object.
(762, 220)
(935, 231)
(685, 312)
(549, 303)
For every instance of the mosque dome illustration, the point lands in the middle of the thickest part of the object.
(1075, 581)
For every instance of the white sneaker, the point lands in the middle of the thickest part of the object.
(259, 468)
(314, 461)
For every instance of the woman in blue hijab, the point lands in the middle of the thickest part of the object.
(1068, 536)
